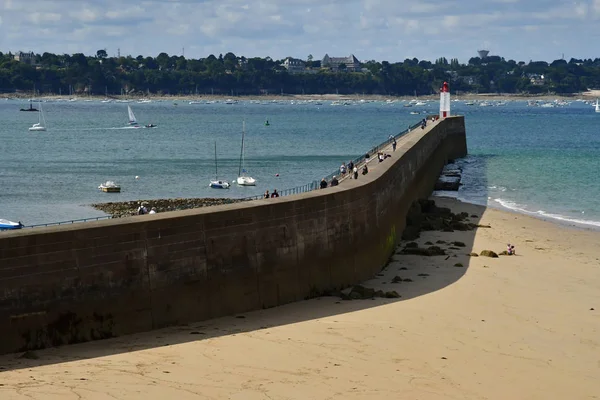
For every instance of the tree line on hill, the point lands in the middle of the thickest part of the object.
(234, 75)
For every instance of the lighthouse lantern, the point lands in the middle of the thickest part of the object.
(444, 101)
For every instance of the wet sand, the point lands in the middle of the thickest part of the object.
(513, 327)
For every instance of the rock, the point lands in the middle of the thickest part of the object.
(450, 183)
(397, 279)
(360, 292)
(410, 233)
(459, 265)
(458, 244)
(426, 205)
(30, 355)
(412, 245)
(503, 253)
(488, 253)
(364, 292)
(436, 251)
(407, 280)
(459, 226)
(441, 242)
(428, 243)
(430, 251)
(423, 275)
(129, 208)
(474, 254)
(474, 216)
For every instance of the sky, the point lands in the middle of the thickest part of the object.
(390, 30)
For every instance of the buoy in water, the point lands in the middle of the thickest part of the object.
(276, 174)
(137, 177)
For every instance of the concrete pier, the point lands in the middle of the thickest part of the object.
(69, 284)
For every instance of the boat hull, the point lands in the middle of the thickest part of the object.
(37, 129)
(219, 185)
(9, 225)
(110, 189)
(246, 181)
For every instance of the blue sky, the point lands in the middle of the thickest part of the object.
(389, 30)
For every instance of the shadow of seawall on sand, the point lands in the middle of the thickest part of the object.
(417, 279)
(410, 275)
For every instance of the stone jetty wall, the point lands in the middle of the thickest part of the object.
(68, 284)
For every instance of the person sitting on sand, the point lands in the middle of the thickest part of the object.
(512, 250)
(509, 249)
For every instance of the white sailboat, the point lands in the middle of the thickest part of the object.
(597, 107)
(41, 125)
(218, 183)
(132, 119)
(243, 179)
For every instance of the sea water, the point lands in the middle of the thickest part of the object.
(542, 161)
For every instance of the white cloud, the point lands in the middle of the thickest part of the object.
(389, 29)
(85, 15)
(451, 21)
(38, 17)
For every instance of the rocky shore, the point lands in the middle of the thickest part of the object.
(450, 177)
(128, 208)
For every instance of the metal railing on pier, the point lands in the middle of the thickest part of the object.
(70, 221)
(314, 185)
(358, 161)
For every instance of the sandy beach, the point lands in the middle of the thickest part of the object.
(513, 327)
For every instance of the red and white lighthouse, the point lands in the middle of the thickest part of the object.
(445, 101)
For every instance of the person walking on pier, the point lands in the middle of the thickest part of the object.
(394, 145)
(355, 171)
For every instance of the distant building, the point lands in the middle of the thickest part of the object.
(536, 79)
(351, 63)
(294, 65)
(27, 58)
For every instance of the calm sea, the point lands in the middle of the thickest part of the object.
(530, 159)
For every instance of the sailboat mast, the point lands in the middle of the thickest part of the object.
(216, 171)
(242, 150)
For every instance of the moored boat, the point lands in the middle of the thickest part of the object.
(243, 179)
(110, 187)
(9, 225)
(218, 183)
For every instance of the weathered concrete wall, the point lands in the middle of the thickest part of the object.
(95, 280)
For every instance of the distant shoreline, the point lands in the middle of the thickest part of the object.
(315, 97)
